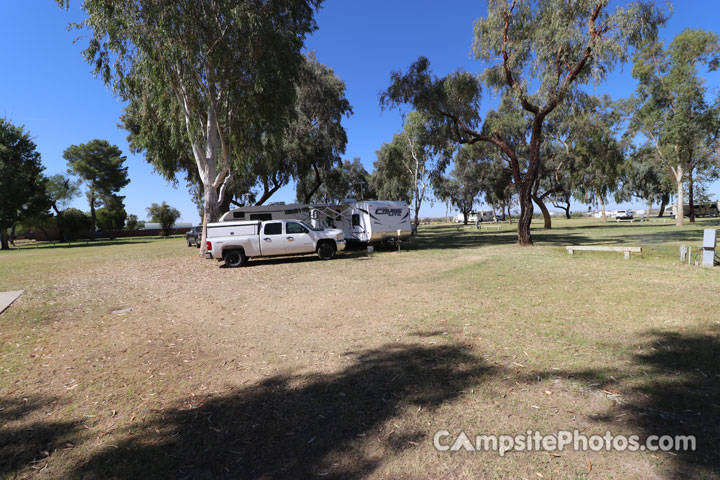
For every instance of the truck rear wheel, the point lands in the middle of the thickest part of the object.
(326, 251)
(234, 258)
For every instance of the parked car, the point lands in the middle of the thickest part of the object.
(194, 236)
(236, 242)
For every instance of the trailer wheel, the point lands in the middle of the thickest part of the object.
(235, 258)
(189, 243)
(326, 251)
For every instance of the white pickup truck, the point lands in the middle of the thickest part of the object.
(236, 242)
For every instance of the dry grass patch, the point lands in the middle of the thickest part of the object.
(299, 368)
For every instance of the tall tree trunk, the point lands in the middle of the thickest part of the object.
(526, 213)
(546, 214)
(93, 225)
(211, 213)
(417, 213)
(649, 208)
(691, 202)
(494, 207)
(680, 217)
(602, 206)
(4, 238)
(663, 203)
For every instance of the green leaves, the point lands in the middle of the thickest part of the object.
(22, 184)
(100, 165)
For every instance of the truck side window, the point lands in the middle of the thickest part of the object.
(356, 220)
(292, 227)
(273, 229)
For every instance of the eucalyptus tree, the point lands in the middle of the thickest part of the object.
(100, 166)
(597, 150)
(672, 110)
(209, 78)
(465, 182)
(389, 178)
(642, 177)
(316, 138)
(349, 179)
(553, 45)
(414, 155)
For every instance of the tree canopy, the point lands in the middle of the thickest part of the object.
(551, 46)
(212, 79)
(671, 106)
(22, 184)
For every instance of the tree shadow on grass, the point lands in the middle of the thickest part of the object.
(678, 393)
(295, 427)
(26, 442)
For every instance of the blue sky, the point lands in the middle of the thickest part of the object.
(46, 85)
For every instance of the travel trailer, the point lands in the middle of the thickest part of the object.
(366, 221)
(706, 209)
(482, 215)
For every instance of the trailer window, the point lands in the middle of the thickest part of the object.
(238, 214)
(356, 220)
(292, 227)
(261, 216)
(273, 229)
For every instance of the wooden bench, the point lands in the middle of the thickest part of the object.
(618, 220)
(626, 250)
(487, 227)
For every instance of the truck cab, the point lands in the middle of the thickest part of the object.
(237, 242)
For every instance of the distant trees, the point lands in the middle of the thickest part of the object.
(23, 191)
(111, 218)
(465, 182)
(100, 166)
(551, 45)
(163, 214)
(131, 222)
(61, 191)
(76, 223)
(672, 110)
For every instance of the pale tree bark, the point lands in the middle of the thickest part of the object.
(680, 217)
(419, 182)
(691, 200)
(206, 149)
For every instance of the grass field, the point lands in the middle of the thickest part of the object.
(298, 368)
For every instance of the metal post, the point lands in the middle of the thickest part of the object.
(709, 243)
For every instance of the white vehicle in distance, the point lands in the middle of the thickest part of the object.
(237, 242)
